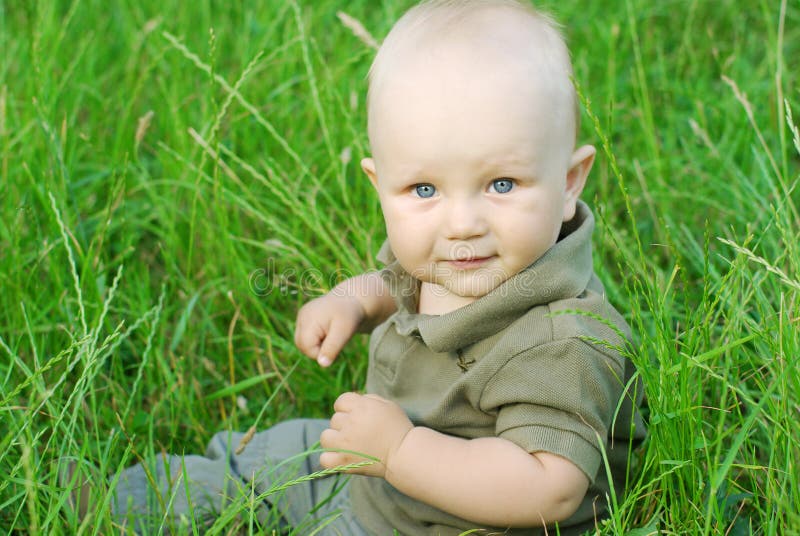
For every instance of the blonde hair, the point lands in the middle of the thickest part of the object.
(438, 21)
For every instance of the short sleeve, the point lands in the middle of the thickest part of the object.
(558, 397)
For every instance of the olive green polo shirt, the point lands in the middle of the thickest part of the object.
(535, 361)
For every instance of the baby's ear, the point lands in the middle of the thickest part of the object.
(368, 165)
(579, 166)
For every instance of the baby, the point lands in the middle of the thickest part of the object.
(495, 371)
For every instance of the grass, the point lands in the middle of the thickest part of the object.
(160, 163)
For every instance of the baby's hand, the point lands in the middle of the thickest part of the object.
(324, 326)
(367, 424)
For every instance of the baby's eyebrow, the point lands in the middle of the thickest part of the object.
(505, 161)
(506, 170)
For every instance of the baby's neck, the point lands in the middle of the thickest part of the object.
(437, 300)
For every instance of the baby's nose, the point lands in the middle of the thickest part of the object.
(465, 219)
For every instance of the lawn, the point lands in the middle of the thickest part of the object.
(176, 179)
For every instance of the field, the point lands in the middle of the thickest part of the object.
(176, 179)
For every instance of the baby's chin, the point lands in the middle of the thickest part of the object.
(474, 285)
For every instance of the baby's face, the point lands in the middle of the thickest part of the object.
(474, 183)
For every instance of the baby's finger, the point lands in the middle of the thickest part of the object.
(338, 420)
(334, 341)
(308, 339)
(345, 402)
(329, 460)
(327, 438)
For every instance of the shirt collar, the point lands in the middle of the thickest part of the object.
(562, 272)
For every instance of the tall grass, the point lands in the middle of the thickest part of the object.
(177, 181)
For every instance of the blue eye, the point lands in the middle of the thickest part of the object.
(502, 186)
(425, 190)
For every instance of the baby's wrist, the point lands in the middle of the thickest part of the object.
(395, 458)
(346, 294)
(364, 299)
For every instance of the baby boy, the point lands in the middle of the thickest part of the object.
(496, 391)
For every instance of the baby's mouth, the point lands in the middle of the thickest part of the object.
(469, 263)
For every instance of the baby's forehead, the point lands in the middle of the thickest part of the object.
(458, 77)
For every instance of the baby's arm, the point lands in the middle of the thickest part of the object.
(324, 325)
(489, 480)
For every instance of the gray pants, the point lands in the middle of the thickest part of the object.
(171, 493)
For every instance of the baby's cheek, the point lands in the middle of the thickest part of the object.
(411, 244)
(527, 240)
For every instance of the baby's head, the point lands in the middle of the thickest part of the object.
(472, 124)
